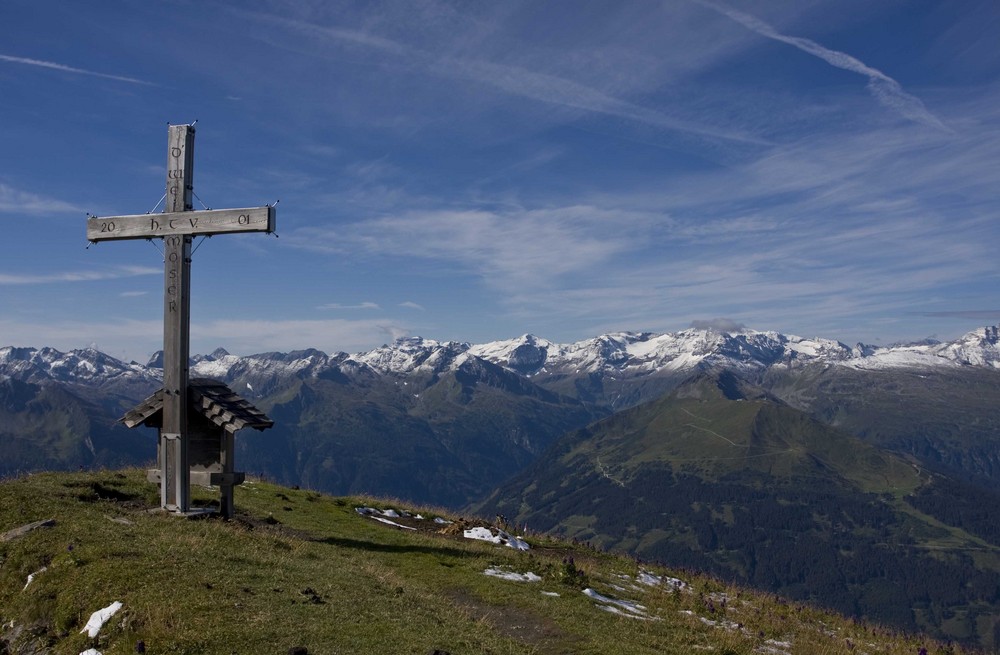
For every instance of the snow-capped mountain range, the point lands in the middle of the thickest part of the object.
(445, 422)
(627, 354)
(678, 351)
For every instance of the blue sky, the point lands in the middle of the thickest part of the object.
(479, 170)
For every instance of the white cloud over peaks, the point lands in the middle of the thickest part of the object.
(885, 89)
(334, 335)
(718, 324)
(127, 338)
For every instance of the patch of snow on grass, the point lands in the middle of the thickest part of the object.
(383, 516)
(728, 625)
(628, 608)
(500, 537)
(719, 624)
(553, 594)
(32, 576)
(91, 651)
(389, 513)
(98, 618)
(512, 576)
(651, 580)
(616, 610)
(373, 513)
(392, 523)
(772, 647)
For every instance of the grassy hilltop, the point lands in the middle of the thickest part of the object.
(301, 570)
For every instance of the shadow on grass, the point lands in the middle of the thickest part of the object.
(357, 544)
(95, 490)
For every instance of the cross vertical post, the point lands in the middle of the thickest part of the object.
(177, 226)
(175, 480)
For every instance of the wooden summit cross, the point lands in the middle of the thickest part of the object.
(177, 226)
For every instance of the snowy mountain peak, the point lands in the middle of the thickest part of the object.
(409, 354)
(218, 353)
(525, 355)
(977, 348)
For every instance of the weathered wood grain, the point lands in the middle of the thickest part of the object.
(193, 223)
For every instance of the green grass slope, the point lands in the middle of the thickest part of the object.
(297, 569)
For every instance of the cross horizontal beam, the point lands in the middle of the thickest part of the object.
(195, 223)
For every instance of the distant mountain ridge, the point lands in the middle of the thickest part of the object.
(486, 410)
(85, 366)
(529, 355)
(647, 352)
(629, 353)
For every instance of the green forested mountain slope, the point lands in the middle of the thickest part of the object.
(948, 417)
(721, 476)
(442, 438)
(54, 426)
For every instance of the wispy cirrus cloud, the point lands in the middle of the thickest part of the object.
(7, 279)
(71, 69)
(521, 250)
(885, 89)
(975, 314)
(825, 232)
(515, 80)
(15, 201)
(336, 305)
(556, 90)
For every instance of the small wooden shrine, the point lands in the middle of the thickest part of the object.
(215, 415)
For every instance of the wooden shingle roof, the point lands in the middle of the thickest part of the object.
(211, 399)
